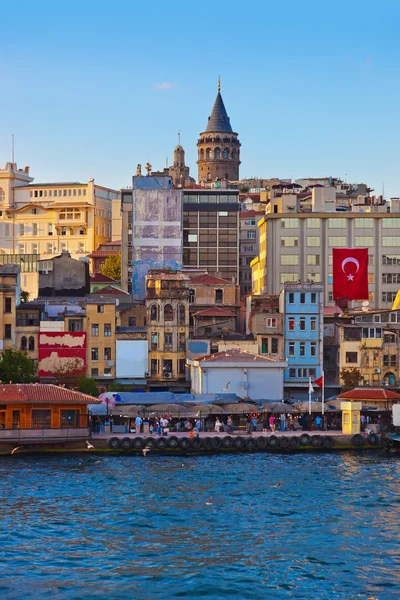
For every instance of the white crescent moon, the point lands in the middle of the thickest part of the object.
(350, 260)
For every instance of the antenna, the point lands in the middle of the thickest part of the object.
(179, 137)
(166, 162)
(219, 83)
(12, 146)
(383, 189)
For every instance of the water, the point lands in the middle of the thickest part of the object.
(90, 527)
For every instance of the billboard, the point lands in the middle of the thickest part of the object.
(61, 353)
(132, 358)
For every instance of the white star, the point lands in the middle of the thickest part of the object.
(350, 277)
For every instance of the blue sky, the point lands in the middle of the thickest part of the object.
(92, 88)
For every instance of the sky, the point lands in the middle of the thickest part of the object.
(92, 88)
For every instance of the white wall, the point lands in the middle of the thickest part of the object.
(263, 383)
(131, 358)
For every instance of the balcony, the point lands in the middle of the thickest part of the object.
(182, 294)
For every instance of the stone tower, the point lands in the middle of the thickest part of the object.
(179, 171)
(218, 146)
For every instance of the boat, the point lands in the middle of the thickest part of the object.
(392, 440)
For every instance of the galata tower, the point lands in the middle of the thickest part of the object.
(218, 146)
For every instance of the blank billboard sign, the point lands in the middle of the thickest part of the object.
(132, 358)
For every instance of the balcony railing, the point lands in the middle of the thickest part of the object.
(36, 435)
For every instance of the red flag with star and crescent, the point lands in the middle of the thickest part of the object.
(350, 273)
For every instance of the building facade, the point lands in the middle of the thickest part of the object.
(249, 246)
(10, 297)
(302, 305)
(211, 232)
(218, 147)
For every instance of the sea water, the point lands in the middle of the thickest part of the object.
(83, 526)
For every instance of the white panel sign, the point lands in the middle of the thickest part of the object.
(132, 358)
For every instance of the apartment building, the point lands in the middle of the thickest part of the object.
(296, 244)
(38, 220)
(249, 246)
(10, 297)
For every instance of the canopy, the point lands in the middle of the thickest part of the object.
(240, 408)
(203, 410)
(278, 407)
(129, 411)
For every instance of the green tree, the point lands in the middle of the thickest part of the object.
(24, 296)
(350, 378)
(244, 189)
(112, 267)
(88, 386)
(16, 367)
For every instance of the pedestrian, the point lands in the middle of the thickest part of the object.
(265, 424)
(163, 424)
(229, 425)
(138, 424)
(178, 425)
(188, 425)
(318, 422)
(283, 422)
(254, 422)
(271, 421)
(217, 426)
(98, 424)
(158, 427)
(198, 425)
(362, 421)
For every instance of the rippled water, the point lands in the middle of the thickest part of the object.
(84, 526)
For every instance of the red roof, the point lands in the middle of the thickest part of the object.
(100, 278)
(369, 394)
(235, 355)
(209, 280)
(42, 393)
(330, 311)
(214, 312)
(103, 253)
(116, 243)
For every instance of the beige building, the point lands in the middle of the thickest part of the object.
(9, 298)
(38, 220)
(100, 326)
(296, 243)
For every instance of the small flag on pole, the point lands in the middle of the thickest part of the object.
(320, 381)
(310, 386)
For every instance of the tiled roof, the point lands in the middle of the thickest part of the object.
(103, 253)
(209, 279)
(116, 243)
(218, 122)
(214, 312)
(42, 393)
(369, 394)
(100, 278)
(235, 355)
(167, 275)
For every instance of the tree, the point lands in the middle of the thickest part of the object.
(88, 386)
(244, 189)
(24, 296)
(350, 378)
(16, 367)
(112, 267)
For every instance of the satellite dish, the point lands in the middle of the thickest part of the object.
(365, 303)
(110, 363)
(116, 302)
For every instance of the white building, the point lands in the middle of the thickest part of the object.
(247, 375)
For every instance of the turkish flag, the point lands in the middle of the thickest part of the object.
(320, 381)
(350, 273)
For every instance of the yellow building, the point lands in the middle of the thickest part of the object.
(40, 220)
(167, 303)
(256, 276)
(9, 299)
(100, 323)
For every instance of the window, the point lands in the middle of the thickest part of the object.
(302, 349)
(270, 322)
(364, 241)
(313, 241)
(337, 241)
(107, 370)
(95, 329)
(291, 348)
(31, 343)
(7, 332)
(24, 344)
(274, 345)
(7, 230)
(154, 366)
(289, 223)
(21, 248)
(181, 342)
(314, 277)
(21, 229)
(391, 259)
(35, 229)
(219, 296)
(41, 418)
(290, 277)
(95, 354)
(371, 332)
(371, 278)
(312, 373)
(75, 325)
(182, 366)
(291, 298)
(107, 329)
(302, 298)
(289, 241)
(167, 341)
(35, 248)
(107, 353)
(132, 321)
(100, 308)
(292, 372)
(389, 277)
(389, 296)
(154, 340)
(264, 345)
(251, 235)
(393, 360)
(153, 313)
(313, 259)
(313, 349)
(336, 223)
(49, 248)
(64, 246)
(7, 305)
(351, 357)
(390, 240)
(389, 338)
(364, 223)
(168, 313)
(313, 223)
(81, 246)
(313, 324)
(391, 223)
(370, 260)
(289, 259)
(291, 324)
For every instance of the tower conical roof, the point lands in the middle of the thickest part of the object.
(219, 121)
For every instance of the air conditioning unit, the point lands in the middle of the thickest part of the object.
(167, 375)
(147, 374)
(377, 370)
(129, 263)
(130, 244)
(129, 279)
